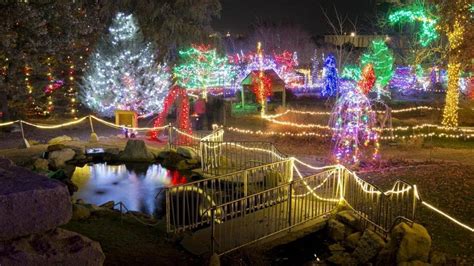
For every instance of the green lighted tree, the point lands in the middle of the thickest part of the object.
(382, 60)
(202, 68)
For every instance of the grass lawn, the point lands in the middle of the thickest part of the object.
(125, 241)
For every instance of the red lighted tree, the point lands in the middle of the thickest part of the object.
(367, 79)
(176, 95)
(261, 86)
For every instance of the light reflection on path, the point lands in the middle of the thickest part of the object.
(100, 183)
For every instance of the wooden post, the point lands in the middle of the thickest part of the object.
(170, 131)
(283, 96)
(93, 137)
(25, 141)
(90, 122)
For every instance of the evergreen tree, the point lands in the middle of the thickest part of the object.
(32, 32)
(330, 76)
(314, 67)
(123, 73)
(202, 67)
(382, 60)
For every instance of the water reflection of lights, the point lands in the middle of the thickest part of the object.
(100, 183)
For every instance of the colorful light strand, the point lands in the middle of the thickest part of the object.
(202, 68)
(353, 123)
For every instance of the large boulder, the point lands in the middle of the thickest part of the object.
(348, 217)
(352, 240)
(41, 165)
(80, 212)
(368, 246)
(30, 203)
(336, 230)
(187, 164)
(136, 151)
(56, 247)
(58, 159)
(438, 258)
(414, 263)
(413, 242)
(187, 152)
(59, 140)
(55, 147)
(342, 258)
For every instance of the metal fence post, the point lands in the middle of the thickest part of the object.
(168, 210)
(290, 169)
(290, 192)
(201, 153)
(246, 181)
(213, 212)
(414, 204)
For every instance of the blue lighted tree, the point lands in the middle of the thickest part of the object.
(330, 76)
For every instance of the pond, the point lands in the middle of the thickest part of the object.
(137, 186)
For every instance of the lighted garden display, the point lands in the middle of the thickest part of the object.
(201, 67)
(123, 73)
(236, 132)
(382, 61)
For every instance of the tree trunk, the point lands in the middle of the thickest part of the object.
(450, 112)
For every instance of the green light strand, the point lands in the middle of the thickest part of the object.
(203, 68)
(382, 60)
(351, 72)
(417, 13)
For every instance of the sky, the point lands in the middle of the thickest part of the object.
(237, 16)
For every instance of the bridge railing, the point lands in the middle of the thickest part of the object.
(379, 209)
(177, 137)
(255, 217)
(186, 203)
(218, 157)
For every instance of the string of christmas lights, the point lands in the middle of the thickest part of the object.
(455, 31)
(49, 88)
(367, 79)
(203, 68)
(353, 123)
(123, 73)
(382, 60)
(178, 95)
(417, 13)
(330, 76)
(71, 89)
(32, 107)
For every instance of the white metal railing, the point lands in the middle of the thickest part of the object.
(253, 218)
(218, 157)
(187, 203)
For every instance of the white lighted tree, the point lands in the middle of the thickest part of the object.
(123, 73)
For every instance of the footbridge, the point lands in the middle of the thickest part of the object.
(253, 192)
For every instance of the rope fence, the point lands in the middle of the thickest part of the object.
(217, 137)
